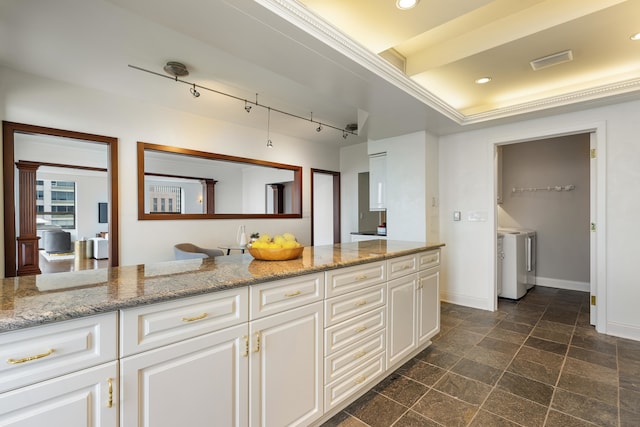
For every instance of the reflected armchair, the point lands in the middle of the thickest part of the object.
(191, 251)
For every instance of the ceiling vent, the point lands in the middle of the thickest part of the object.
(555, 59)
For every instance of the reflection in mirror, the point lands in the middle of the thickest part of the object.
(177, 183)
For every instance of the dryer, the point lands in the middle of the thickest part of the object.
(518, 266)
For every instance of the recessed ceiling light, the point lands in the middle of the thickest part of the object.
(635, 37)
(483, 80)
(406, 4)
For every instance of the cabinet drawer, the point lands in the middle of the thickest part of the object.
(35, 354)
(353, 356)
(429, 259)
(402, 266)
(350, 279)
(343, 334)
(352, 304)
(155, 325)
(274, 297)
(354, 381)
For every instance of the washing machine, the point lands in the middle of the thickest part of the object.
(519, 262)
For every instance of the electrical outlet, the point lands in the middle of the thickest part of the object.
(456, 215)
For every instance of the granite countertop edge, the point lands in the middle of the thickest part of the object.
(43, 315)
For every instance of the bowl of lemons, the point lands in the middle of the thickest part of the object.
(277, 248)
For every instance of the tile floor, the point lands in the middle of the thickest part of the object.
(534, 362)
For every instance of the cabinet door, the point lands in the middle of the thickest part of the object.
(86, 398)
(428, 304)
(401, 312)
(197, 382)
(286, 368)
(377, 181)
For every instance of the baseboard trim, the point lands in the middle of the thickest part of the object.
(563, 284)
(623, 330)
(465, 300)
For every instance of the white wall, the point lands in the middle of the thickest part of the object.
(353, 160)
(466, 184)
(33, 100)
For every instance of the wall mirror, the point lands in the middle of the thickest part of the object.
(179, 183)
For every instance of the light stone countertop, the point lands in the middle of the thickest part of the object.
(34, 300)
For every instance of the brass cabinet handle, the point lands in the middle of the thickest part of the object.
(257, 349)
(359, 354)
(110, 401)
(292, 294)
(246, 346)
(360, 380)
(193, 319)
(359, 303)
(30, 358)
(362, 277)
(404, 267)
(360, 329)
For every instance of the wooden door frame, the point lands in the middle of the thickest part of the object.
(9, 129)
(336, 203)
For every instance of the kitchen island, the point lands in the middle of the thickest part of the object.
(236, 340)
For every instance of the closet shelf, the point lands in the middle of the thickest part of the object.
(550, 188)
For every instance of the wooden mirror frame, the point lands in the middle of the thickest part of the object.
(9, 129)
(142, 146)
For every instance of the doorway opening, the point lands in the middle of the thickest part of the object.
(325, 207)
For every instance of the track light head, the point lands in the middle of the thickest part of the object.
(344, 134)
(247, 107)
(269, 143)
(319, 128)
(194, 91)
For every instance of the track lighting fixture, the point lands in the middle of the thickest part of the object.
(176, 70)
(269, 143)
(194, 91)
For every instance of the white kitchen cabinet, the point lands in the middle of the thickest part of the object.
(286, 367)
(377, 181)
(428, 304)
(202, 381)
(401, 312)
(86, 398)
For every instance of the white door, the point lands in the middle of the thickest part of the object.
(86, 398)
(401, 312)
(286, 370)
(428, 309)
(593, 278)
(202, 381)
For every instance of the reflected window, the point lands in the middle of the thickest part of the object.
(56, 203)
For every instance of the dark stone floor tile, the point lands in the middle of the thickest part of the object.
(595, 357)
(424, 373)
(544, 357)
(487, 419)
(505, 347)
(629, 400)
(445, 410)
(413, 419)
(462, 388)
(459, 341)
(527, 319)
(586, 386)
(558, 419)
(556, 327)
(520, 328)
(478, 328)
(585, 408)
(515, 408)
(401, 389)
(526, 388)
(584, 319)
(343, 419)
(477, 371)
(506, 335)
(591, 342)
(489, 357)
(546, 334)
(376, 410)
(628, 349)
(629, 419)
(567, 317)
(536, 371)
(594, 372)
(546, 345)
(435, 356)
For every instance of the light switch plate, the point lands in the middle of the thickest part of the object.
(456, 215)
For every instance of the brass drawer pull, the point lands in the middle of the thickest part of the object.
(30, 358)
(292, 294)
(193, 319)
(359, 303)
(257, 349)
(360, 329)
(359, 354)
(110, 401)
(406, 266)
(362, 277)
(360, 380)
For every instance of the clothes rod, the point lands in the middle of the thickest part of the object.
(550, 188)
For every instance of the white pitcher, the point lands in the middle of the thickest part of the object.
(241, 236)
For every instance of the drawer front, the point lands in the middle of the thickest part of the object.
(36, 354)
(429, 259)
(350, 279)
(353, 356)
(402, 266)
(355, 303)
(282, 295)
(156, 325)
(348, 332)
(353, 382)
